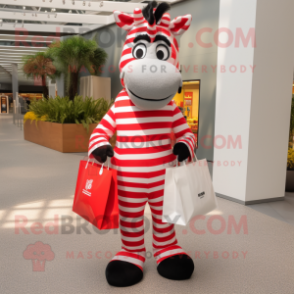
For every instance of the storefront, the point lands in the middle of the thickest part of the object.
(188, 102)
(4, 104)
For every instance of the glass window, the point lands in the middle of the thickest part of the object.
(188, 102)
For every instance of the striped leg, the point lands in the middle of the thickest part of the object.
(173, 262)
(164, 236)
(126, 268)
(132, 201)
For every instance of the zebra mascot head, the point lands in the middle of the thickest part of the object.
(149, 64)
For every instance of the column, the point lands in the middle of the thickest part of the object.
(253, 99)
(60, 85)
(16, 104)
(14, 82)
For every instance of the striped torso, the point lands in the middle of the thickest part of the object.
(143, 137)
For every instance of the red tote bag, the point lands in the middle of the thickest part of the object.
(96, 197)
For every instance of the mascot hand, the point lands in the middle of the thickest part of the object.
(182, 151)
(101, 153)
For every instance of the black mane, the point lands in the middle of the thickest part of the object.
(155, 17)
(161, 10)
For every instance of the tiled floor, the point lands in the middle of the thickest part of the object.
(37, 186)
(281, 210)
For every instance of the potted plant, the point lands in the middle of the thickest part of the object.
(290, 158)
(62, 124)
(73, 53)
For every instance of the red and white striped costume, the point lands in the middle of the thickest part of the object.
(143, 147)
(143, 151)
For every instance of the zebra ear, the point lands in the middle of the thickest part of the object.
(180, 24)
(123, 20)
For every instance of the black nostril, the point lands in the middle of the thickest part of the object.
(180, 90)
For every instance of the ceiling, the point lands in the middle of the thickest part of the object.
(31, 18)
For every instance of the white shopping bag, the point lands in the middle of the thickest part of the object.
(175, 210)
(188, 192)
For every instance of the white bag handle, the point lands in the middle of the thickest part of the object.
(177, 162)
(101, 169)
(195, 156)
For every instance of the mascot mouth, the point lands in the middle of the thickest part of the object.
(153, 100)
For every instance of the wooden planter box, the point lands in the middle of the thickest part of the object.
(66, 138)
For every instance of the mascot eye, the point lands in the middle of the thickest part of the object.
(139, 51)
(162, 52)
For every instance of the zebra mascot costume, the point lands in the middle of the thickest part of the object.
(144, 115)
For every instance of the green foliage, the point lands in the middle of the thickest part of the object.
(38, 65)
(67, 56)
(63, 110)
(290, 159)
(291, 130)
(71, 54)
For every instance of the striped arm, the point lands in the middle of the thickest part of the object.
(103, 132)
(182, 131)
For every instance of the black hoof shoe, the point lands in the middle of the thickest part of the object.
(178, 267)
(123, 274)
